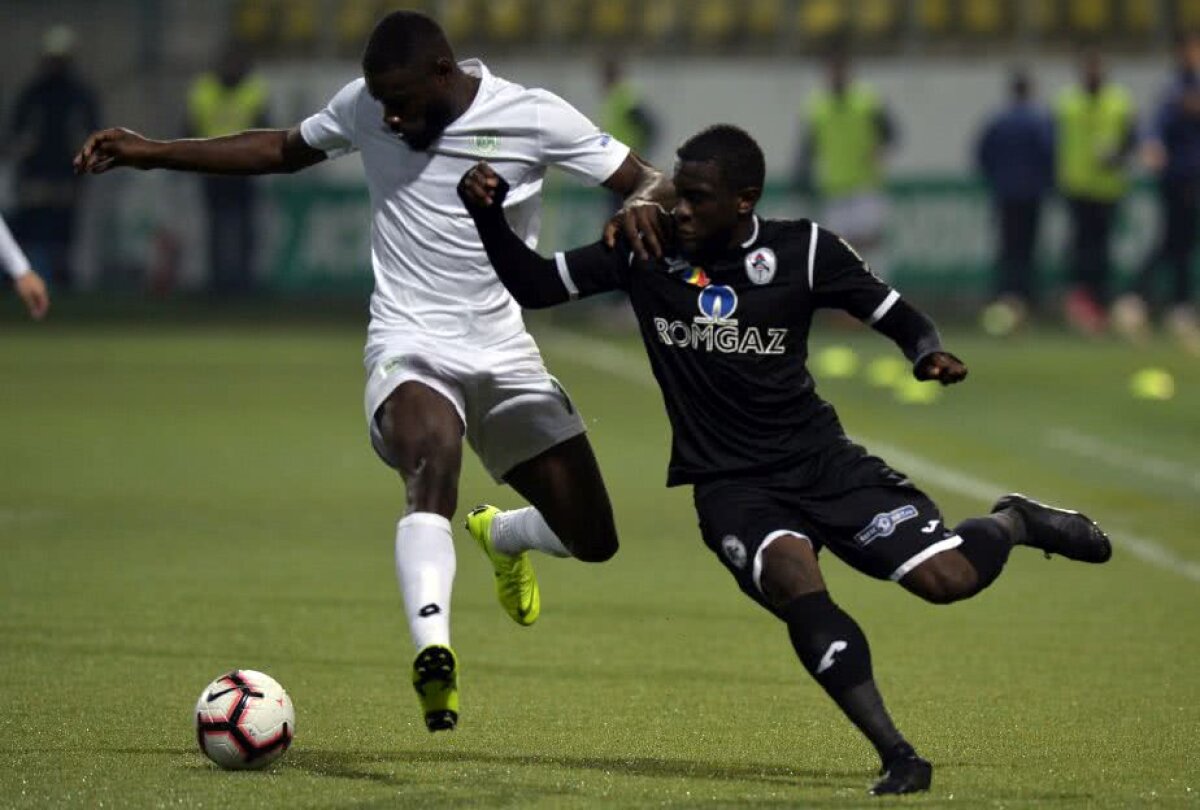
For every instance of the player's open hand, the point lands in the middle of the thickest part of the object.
(941, 366)
(110, 148)
(481, 187)
(645, 224)
(32, 291)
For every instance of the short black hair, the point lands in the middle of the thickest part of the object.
(404, 39)
(736, 154)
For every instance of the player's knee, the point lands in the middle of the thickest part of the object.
(591, 537)
(790, 570)
(942, 579)
(430, 467)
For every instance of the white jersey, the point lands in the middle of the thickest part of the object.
(432, 275)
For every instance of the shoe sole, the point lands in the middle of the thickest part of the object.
(436, 665)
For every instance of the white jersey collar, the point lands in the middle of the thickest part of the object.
(753, 236)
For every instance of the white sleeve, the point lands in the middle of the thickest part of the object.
(333, 129)
(567, 139)
(11, 255)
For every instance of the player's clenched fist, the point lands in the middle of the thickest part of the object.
(110, 148)
(482, 187)
(941, 366)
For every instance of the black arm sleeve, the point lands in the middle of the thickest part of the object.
(842, 280)
(911, 330)
(536, 282)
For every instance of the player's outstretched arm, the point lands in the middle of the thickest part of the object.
(532, 280)
(842, 280)
(257, 151)
(916, 335)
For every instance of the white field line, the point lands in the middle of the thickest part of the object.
(1124, 458)
(606, 358)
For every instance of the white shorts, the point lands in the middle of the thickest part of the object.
(511, 408)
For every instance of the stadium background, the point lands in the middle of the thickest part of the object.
(186, 485)
(941, 65)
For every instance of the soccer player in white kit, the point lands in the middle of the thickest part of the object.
(447, 353)
(30, 287)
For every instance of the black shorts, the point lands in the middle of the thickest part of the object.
(843, 499)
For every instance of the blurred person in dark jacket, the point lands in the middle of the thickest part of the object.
(1015, 155)
(223, 101)
(53, 111)
(1172, 151)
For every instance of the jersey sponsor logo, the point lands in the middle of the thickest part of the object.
(827, 659)
(389, 367)
(677, 266)
(726, 337)
(734, 551)
(717, 303)
(760, 265)
(487, 142)
(885, 523)
(715, 330)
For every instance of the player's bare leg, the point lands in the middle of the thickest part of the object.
(570, 517)
(833, 649)
(564, 485)
(423, 434)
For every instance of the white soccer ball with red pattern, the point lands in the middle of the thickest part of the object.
(244, 719)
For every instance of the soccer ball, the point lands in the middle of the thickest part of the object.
(244, 719)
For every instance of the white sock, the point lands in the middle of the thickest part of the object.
(425, 567)
(524, 530)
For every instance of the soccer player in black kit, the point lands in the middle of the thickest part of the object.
(725, 321)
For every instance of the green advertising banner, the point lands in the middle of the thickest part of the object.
(940, 233)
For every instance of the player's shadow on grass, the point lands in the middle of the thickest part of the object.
(367, 766)
(356, 765)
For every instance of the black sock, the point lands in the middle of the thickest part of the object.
(986, 543)
(833, 649)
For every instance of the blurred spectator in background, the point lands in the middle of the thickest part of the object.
(623, 113)
(223, 101)
(847, 131)
(1095, 133)
(1172, 151)
(1015, 155)
(29, 285)
(52, 113)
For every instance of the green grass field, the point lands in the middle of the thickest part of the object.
(181, 499)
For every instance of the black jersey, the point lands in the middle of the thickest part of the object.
(728, 341)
